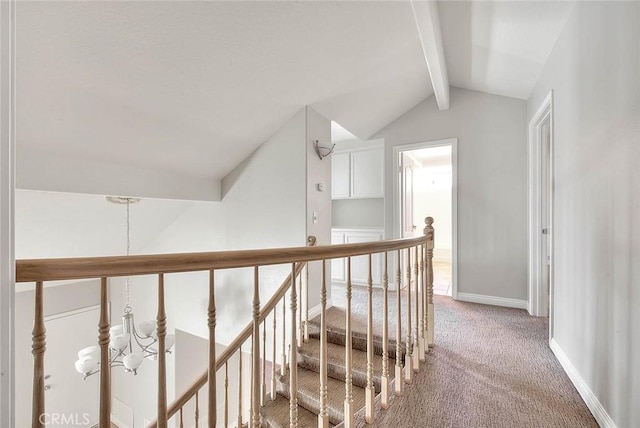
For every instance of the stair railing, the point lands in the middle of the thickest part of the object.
(42, 270)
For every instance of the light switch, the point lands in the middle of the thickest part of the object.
(315, 217)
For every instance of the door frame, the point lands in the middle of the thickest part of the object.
(535, 304)
(7, 201)
(397, 232)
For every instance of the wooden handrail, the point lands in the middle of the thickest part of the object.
(33, 270)
(233, 346)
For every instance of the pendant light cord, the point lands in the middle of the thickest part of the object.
(127, 307)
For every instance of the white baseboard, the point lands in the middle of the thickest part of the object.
(590, 399)
(315, 311)
(491, 300)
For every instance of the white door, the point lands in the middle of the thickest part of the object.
(408, 226)
(545, 215)
(69, 398)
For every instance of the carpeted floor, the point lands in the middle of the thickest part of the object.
(491, 367)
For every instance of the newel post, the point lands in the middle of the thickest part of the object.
(430, 233)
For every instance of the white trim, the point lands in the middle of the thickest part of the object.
(453, 142)
(492, 300)
(597, 409)
(117, 408)
(7, 192)
(71, 312)
(536, 305)
(315, 311)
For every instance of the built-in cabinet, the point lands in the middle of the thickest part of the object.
(358, 173)
(360, 264)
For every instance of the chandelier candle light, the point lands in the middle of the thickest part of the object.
(128, 346)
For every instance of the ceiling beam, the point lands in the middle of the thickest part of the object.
(428, 23)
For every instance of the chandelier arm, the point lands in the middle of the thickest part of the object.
(143, 347)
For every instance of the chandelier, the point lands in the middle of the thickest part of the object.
(128, 346)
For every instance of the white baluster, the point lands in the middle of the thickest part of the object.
(273, 358)
(323, 416)
(369, 390)
(300, 329)
(416, 335)
(255, 368)
(398, 377)
(348, 382)
(423, 305)
(283, 359)
(408, 372)
(293, 357)
(240, 387)
(384, 380)
(306, 306)
(264, 362)
(226, 394)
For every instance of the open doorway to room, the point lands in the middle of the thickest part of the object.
(426, 187)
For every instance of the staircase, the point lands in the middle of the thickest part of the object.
(275, 414)
(337, 368)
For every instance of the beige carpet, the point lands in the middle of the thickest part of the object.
(492, 368)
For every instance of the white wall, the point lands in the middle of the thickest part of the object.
(7, 184)
(357, 213)
(265, 203)
(318, 171)
(492, 192)
(594, 74)
(264, 196)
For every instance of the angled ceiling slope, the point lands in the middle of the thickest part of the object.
(500, 47)
(192, 88)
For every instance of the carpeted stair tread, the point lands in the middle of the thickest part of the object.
(336, 334)
(275, 414)
(309, 358)
(309, 394)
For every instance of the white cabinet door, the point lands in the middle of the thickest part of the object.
(340, 183)
(338, 266)
(367, 173)
(360, 264)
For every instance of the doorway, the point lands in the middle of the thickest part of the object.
(426, 186)
(541, 212)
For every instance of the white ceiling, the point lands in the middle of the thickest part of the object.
(500, 47)
(194, 87)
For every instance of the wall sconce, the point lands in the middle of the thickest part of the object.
(323, 150)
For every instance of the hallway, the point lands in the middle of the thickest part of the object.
(491, 367)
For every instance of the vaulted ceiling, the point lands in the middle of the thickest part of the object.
(193, 88)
